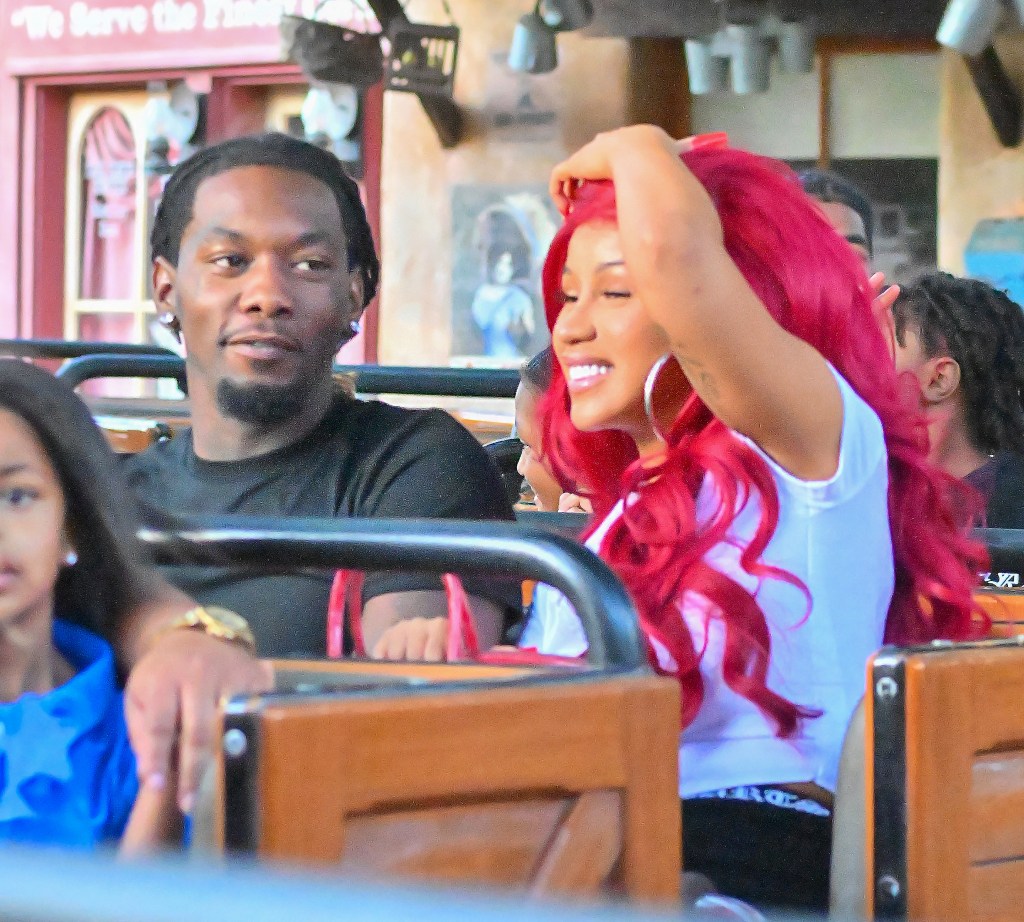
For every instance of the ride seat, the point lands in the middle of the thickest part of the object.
(542, 783)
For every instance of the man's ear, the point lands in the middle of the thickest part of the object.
(357, 292)
(165, 287)
(942, 379)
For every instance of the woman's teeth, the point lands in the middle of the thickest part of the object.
(582, 372)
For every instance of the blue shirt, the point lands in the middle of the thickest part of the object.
(67, 772)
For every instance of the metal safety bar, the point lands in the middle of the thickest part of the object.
(422, 545)
(73, 349)
(369, 379)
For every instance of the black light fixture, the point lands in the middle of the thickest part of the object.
(969, 27)
(422, 57)
(330, 53)
(533, 49)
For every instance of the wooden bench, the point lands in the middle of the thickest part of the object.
(537, 781)
(945, 786)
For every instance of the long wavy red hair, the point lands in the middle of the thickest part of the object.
(814, 286)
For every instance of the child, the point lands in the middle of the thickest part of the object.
(70, 567)
(759, 482)
(536, 376)
(963, 342)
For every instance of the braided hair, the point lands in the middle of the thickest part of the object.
(983, 331)
(274, 150)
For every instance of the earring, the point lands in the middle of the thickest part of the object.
(71, 558)
(170, 322)
(355, 326)
(650, 383)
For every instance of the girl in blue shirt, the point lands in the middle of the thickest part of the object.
(70, 568)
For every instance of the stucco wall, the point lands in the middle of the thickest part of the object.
(978, 177)
(586, 93)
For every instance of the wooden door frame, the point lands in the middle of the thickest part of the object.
(828, 49)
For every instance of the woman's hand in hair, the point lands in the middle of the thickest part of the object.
(596, 160)
(172, 697)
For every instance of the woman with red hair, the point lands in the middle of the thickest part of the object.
(759, 480)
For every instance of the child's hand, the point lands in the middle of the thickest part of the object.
(422, 639)
(570, 502)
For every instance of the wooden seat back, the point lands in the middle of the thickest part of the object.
(946, 786)
(540, 782)
(1006, 609)
(128, 436)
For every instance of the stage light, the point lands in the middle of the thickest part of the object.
(968, 26)
(533, 49)
(566, 15)
(796, 46)
(749, 62)
(708, 72)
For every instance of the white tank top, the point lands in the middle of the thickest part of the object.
(833, 535)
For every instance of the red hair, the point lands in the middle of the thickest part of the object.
(814, 286)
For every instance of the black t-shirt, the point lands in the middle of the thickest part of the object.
(1001, 481)
(364, 459)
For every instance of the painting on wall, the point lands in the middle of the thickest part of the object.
(904, 201)
(500, 237)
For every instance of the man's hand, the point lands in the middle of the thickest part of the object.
(422, 639)
(177, 686)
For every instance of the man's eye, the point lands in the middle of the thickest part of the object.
(313, 265)
(18, 497)
(229, 261)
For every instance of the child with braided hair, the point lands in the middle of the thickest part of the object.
(963, 341)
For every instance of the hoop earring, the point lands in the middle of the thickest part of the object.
(650, 383)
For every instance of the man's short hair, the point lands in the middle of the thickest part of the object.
(274, 150)
(830, 187)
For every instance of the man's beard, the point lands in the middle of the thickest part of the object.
(262, 405)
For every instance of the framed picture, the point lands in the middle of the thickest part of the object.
(500, 238)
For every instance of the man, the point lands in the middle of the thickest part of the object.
(845, 207)
(262, 263)
(849, 211)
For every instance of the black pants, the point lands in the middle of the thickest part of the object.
(772, 857)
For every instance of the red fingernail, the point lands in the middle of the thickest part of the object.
(712, 139)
